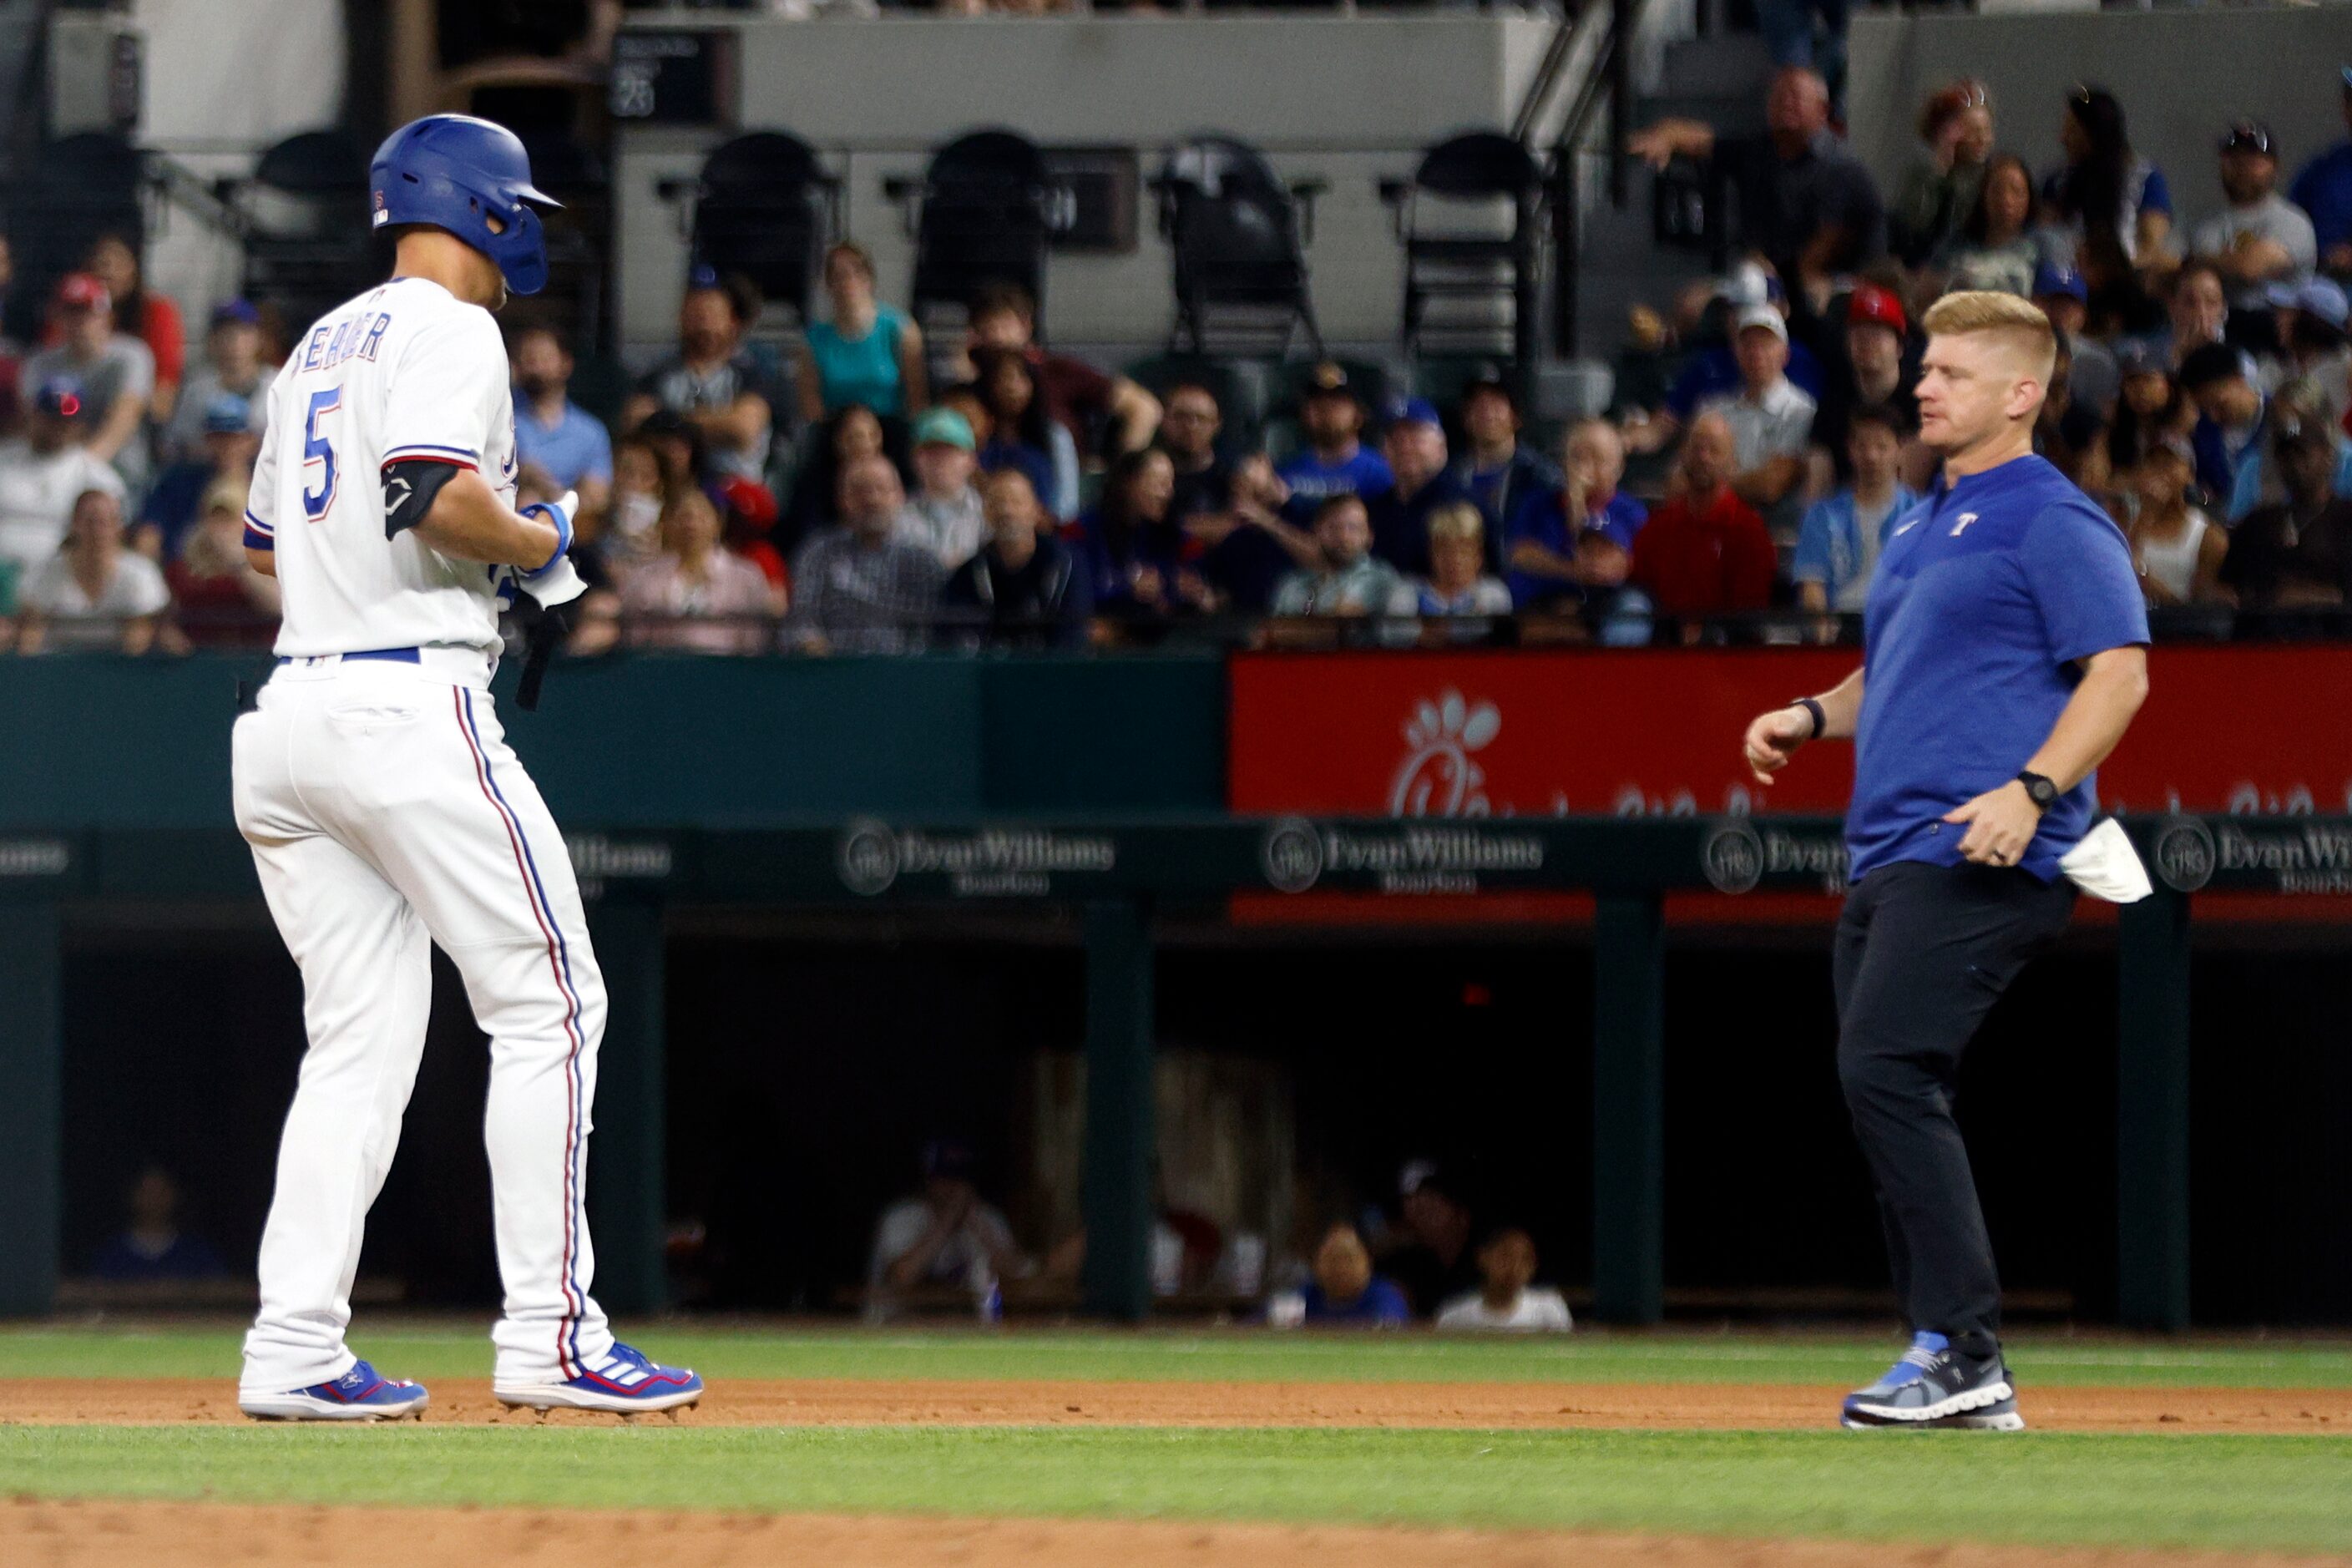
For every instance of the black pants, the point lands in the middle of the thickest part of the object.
(1922, 954)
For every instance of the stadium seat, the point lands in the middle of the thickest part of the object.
(763, 207)
(1470, 219)
(983, 213)
(304, 245)
(1237, 234)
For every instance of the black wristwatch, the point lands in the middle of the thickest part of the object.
(1813, 710)
(2039, 790)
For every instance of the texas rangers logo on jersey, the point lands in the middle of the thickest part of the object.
(1961, 526)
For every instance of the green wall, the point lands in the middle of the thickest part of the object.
(671, 743)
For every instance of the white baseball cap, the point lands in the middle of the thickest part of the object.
(1763, 316)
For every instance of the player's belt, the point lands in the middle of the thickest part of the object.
(392, 655)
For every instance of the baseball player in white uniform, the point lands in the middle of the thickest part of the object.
(386, 812)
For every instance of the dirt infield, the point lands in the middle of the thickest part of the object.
(848, 1402)
(203, 1535)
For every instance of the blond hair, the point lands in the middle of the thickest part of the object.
(2018, 321)
(1456, 519)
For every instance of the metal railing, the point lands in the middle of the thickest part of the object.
(1608, 83)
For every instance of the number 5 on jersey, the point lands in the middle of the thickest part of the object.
(318, 452)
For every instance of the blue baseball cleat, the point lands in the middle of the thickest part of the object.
(362, 1393)
(626, 1383)
(1935, 1386)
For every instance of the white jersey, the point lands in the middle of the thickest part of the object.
(1538, 1310)
(404, 371)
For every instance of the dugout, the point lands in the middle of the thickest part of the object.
(806, 1053)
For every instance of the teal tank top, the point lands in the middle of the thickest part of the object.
(862, 371)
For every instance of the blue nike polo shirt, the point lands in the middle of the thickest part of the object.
(1986, 594)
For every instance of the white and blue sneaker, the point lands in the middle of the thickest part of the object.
(362, 1393)
(625, 1382)
(1935, 1386)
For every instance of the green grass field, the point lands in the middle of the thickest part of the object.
(2286, 1493)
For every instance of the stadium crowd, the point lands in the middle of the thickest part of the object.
(866, 491)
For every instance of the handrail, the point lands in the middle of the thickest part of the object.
(1608, 79)
(200, 198)
(1547, 77)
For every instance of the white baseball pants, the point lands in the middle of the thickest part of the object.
(385, 813)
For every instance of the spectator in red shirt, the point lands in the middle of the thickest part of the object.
(1080, 398)
(223, 602)
(1705, 552)
(153, 319)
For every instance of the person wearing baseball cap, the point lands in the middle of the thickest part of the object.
(1497, 469)
(1770, 417)
(2313, 345)
(2324, 191)
(1878, 369)
(1713, 369)
(1334, 462)
(945, 511)
(116, 371)
(233, 361)
(1414, 442)
(42, 469)
(2262, 238)
(176, 501)
(2064, 296)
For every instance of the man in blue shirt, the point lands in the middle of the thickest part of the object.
(1345, 1292)
(552, 433)
(1498, 470)
(1572, 548)
(2004, 656)
(1335, 462)
(1839, 544)
(2323, 190)
(2233, 429)
(1413, 445)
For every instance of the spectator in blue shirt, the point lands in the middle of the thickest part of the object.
(2323, 190)
(2231, 415)
(1021, 433)
(1837, 548)
(1575, 544)
(1129, 550)
(1345, 1293)
(2237, 429)
(1414, 445)
(1335, 462)
(1498, 470)
(552, 434)
(155, 1248)
(176, 501)
(866, 352)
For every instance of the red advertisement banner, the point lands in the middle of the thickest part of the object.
(2239, 728)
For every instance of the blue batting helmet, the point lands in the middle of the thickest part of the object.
(455, 172)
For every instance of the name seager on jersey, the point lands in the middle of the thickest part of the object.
(405, 373)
